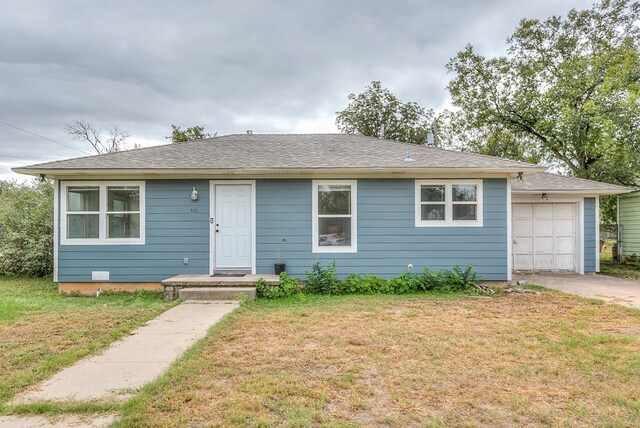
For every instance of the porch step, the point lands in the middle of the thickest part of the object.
(216, 293)
(219, 281)
(174, 286)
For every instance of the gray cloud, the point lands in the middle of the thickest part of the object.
(227, 65)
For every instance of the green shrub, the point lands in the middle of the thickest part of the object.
(402, 284)
(633, 260)
(321, 280)
(456, 279)
(26, 228)
(289, 286)
(355, 284)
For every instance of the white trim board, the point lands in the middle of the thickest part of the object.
(580, 249)
(597, 208)
(509, 233)
(212, 217)
(56, 225)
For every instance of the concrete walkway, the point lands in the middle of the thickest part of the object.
(607, 288)
(134, 361)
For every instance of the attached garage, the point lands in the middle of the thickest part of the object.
(544, 236)
(555, 223)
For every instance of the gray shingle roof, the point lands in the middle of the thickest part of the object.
(548, 182)
(284, 151)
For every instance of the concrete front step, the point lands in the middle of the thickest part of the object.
(173, 286)
(217, 293)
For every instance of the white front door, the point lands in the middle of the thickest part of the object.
(544, 236)
(233, 226)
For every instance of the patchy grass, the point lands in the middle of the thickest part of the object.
(43, 331)
(610, 267)
(422, 360)
(76, 408)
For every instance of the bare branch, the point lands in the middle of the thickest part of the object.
(83, 130)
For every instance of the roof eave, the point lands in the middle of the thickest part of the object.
(599, 192)
(274, 172)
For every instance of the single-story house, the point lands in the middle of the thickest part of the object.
(240, 203)
(629, 224)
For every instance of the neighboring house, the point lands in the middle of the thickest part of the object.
(237, 203)
(629, 224)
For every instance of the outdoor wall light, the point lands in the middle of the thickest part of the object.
(194, 194)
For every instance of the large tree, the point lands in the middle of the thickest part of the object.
(378, 113)
(191, 133)
(566, 92)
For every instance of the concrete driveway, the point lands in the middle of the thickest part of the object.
(607, 288)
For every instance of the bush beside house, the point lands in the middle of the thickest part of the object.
(324, 280)
(26, 228)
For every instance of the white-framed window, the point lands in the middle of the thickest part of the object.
(448, 203)
(102, 212)
(334, 206)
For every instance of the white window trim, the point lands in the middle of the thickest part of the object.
(354, 217)
(448, 221)
(102, 234)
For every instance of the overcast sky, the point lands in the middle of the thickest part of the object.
(226, 65)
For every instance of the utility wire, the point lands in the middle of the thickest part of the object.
(44, 138)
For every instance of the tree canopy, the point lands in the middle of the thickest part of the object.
(378, 113)
(566, 92)
(192, 133)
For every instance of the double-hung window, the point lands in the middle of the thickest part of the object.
(334, 216)
(448, 203)
(102, 213)
(123, 212)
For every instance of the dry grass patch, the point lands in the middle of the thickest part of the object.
(42, 331)
(408, 361)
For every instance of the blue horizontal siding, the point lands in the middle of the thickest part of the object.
(173, 233)
(387, 237)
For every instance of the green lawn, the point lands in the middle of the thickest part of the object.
(421, 360)
(428, 360)
(42, 331)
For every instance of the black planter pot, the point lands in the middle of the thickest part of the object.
(279, 268)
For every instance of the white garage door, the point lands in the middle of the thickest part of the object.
(544, 237)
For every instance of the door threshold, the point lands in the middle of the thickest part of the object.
(231, 272)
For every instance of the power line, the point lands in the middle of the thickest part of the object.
(44, 138)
